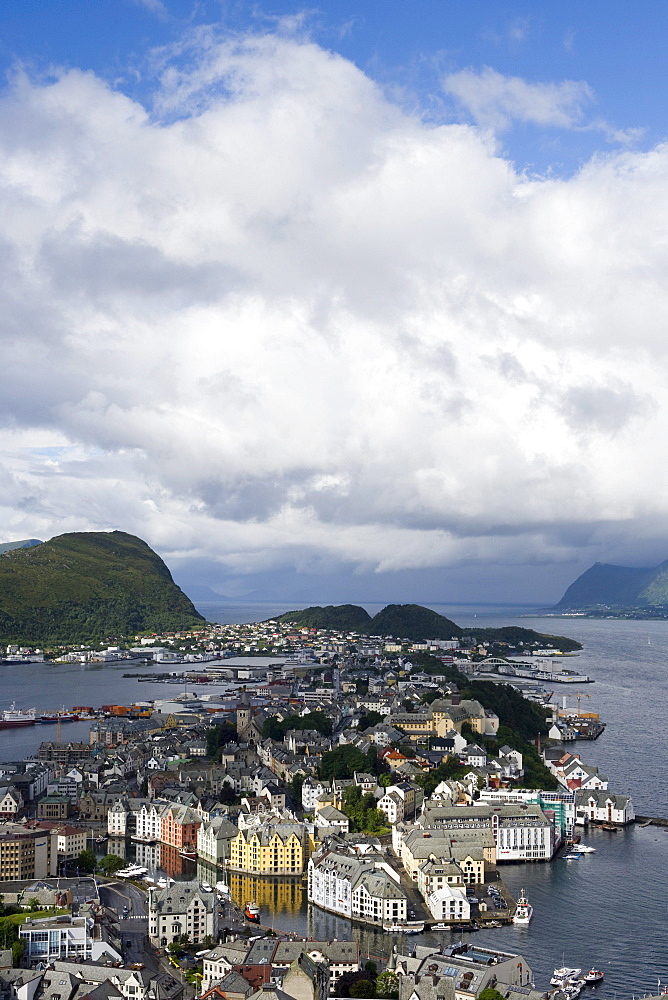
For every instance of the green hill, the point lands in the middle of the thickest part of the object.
(412, 621)
(25, 543)
(335, 616)
(415, 623)
(88, 585)
(617, 587)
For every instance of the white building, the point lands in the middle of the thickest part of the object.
(601, 806)
(148, 821)
(352, 887)
(183, 908)
(65, 937)
(449, 904)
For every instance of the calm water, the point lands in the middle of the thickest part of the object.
(604, 910)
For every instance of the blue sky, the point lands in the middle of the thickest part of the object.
(617, 49)
(357, 301)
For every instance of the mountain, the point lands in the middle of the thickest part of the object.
(26, 543)
(88, 585)
(412, 621)
(617, 587)
(341, 616)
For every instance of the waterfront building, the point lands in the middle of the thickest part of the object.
(469, 849)
(520, 831)
(178, 826)
(271, 849)
(358, 888)
(214, 838)
(601, 806)
(182, 908)
(70, 840)
(449, 904)
(148, 820)
(559, 807)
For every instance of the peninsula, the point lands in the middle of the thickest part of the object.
(86, 584)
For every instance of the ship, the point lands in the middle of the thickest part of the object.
(524, 911)
(13, 716)
(252, 912)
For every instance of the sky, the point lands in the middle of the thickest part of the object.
(341, 302)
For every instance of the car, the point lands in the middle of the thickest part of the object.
(137, 965)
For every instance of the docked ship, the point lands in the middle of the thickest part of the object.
(13, 716)
(564, 977)
(524, 911)
(252, 912)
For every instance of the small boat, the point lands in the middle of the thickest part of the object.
(409, 927)
(524, 911)
(252, 912)
(572, 990)
(188, 852)
(564, 976)
(570, 857)
(593, 976)
(101, 839)
(583, 849)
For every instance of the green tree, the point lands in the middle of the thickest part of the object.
(33, 904)
(387, 985)
(342, 762)
(18, 950)
(490, 994)
(363, 988)
(110, 863)
(86, 860)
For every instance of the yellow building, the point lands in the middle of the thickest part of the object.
(270, 850)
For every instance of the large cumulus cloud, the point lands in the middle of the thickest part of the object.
(274, 319)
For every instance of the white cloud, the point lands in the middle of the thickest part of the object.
(280, 322)
(496, 101)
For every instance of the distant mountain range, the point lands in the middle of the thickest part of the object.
(416, 623)
(88, 585)
(26, 543)
(617, 588)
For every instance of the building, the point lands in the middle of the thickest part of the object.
(27, 852)
(178, 826)
(48, 939)
(272, 849)
(449, 905)
(70, 840)
(361, 889)
(601, 806)
(183, 908)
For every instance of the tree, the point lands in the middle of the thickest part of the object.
(33, 904)
(343, 762)
(490, 994)
(86, 860)
(387, 985)
(363, 988)
(110, 863)
(18, 949)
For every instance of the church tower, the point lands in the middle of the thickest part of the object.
(244, 717)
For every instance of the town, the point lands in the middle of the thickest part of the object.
(383, 781)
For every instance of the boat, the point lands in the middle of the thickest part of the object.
(206, 887)
(572, 990)
(570, 857)
(524, 911)
(440, 927)
(188, 852)
(223, 889)
(409, 927)
(564, 976)
(47, 720)
(13, 716)
(101, 839)
(583, 849)
(252, 912)
(593, 976)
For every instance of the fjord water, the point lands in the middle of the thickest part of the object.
(606, 910)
